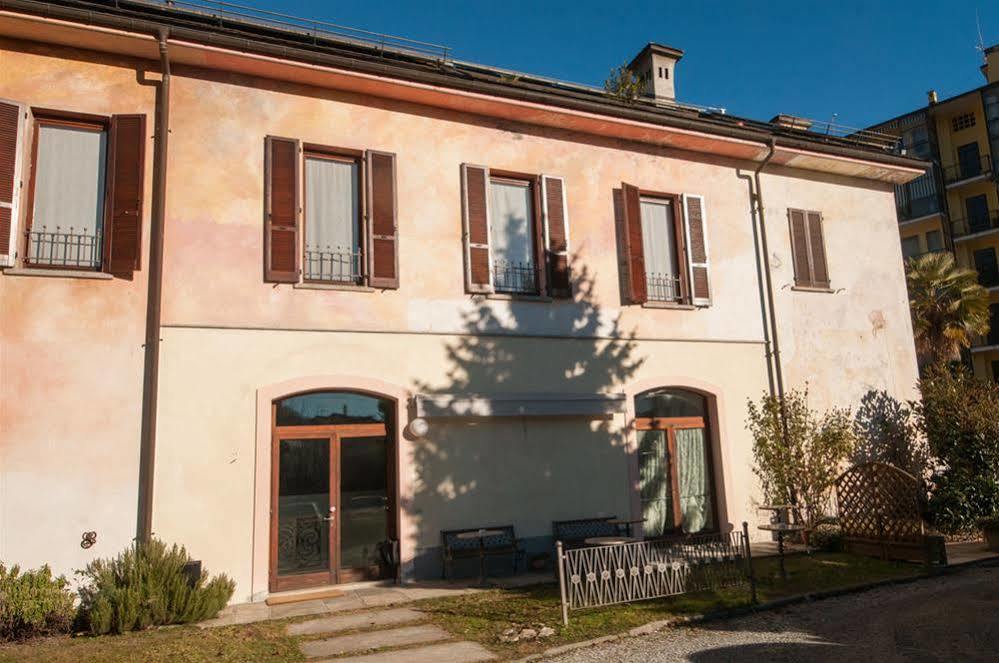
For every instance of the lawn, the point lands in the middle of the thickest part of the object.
(482, 617)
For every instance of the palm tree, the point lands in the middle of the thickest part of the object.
(948, 307)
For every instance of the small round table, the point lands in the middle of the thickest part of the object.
(609, 540)
(626, 523)
(481, 535)
(781, 529)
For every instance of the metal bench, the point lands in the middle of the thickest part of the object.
(573, 533)
(499, 540)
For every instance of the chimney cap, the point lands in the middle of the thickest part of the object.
(657, 49)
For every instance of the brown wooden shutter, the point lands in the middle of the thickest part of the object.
(281, 209)
(799, 247)
(11, 135)
(634, 250)
(556, 235)
(383, 233)
(126, 169)
(697, 249)
(817, 251)
(475, 217)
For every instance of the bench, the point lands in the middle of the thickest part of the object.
(573, 533)
(456, 547)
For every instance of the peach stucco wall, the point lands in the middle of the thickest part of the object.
(231, 342)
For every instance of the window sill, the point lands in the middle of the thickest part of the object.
(805, 288)
(670, 305)
(58, 273)
(510, 297)
(332, 286)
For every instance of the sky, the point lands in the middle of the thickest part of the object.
(855, 63)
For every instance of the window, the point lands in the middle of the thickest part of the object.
(516, 233)
(333, 236)
(934, 241)
(660, 242)
(977, 208)
(995, 370)
(987, 267)
(969, 161)
(85, 186)
(963, 121)
(676, 482)
(348, 212)
(993, 336)
(910, 247)
(808, 250)
(512, 235)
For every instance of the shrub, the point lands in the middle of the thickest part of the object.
(958, 417)
(33, 603)
(624, 84)
(827, 537)
(146, 585)
(798, 453)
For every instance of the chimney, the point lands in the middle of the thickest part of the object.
(791, 122)
(656, 64)
(931, 96)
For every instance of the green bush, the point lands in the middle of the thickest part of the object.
(33, 603)
(146, 586)
(827, 537)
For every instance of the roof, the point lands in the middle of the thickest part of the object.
(657, 49)
(898, 119)
(226, 25)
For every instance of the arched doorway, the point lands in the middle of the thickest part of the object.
(333, 489)
(676, 468)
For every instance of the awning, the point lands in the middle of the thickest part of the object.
(518, 405)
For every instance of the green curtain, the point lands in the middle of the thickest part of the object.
(653, 473)
(694, 477)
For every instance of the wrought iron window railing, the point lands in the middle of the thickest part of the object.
(64, 248)
(333, 264)
(514, 277)
(977, 224)
(967, 168)
(663, 288)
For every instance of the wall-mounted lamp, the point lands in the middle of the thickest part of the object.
(419, 427)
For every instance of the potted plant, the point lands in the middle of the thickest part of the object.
(990, 528)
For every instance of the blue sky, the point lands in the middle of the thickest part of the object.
(863, 61)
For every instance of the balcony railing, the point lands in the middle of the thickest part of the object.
(971, 226)
(920, 207)
(514, 277)
(64, 248)
(920, 254)
(333, 264)
(967, 169)
(663, 288)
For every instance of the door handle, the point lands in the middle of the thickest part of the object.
(332, 515)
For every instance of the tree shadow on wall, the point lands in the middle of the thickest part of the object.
(524, 470)
(886, 433)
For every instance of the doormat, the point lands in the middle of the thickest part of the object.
(306, 596)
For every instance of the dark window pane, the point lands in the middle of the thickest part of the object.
(669, 403)
(910, 246)
(303, 505)
(328, 407)
(364, 500)
(969, 160)
(987, 267)
(934, 240)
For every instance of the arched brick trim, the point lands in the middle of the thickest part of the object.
(262, 463)
(719, 437)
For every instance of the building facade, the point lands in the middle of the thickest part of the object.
(955, 206)
(357, 296)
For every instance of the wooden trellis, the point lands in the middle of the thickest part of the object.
(880, 514)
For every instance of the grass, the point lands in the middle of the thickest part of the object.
(481, 617)
(484, 617)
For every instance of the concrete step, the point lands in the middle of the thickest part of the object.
(448, 652)
(368, 640)
(356, 620)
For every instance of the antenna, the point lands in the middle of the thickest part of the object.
(981, 41)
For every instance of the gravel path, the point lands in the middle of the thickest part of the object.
(949, 618)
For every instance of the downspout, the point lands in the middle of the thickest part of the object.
(773, 355)
(151, 368)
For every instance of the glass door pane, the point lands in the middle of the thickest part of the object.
(694, 477)
(364, 500)
(654, 475)
(303, 506)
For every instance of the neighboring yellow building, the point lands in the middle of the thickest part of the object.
(955, 206)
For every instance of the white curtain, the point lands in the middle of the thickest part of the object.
(694, 477)
(512, 221)
(69, 195)
(653, 477)
(658, 238)
(332, 213)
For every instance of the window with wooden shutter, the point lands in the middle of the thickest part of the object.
(11, 138)
(281, 209)
(633, 245)
(808, 250)
(475, 218)
(383, 234)
(556, 216)
(697, 249)
(126, 168)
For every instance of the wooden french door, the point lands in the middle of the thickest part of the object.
(332, 501)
